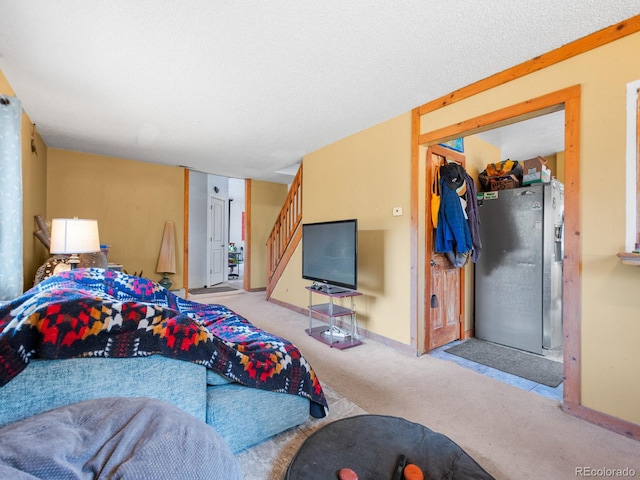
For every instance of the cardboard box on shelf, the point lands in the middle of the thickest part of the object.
(535, 170)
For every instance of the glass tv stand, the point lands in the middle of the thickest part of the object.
(332, 335)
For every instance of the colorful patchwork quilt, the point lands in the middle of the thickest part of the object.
(94, 312)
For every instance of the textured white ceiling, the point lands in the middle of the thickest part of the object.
(540, 136)
(245, 89)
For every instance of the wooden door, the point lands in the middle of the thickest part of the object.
(444, 283)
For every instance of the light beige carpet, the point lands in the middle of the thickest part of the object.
(512, 433)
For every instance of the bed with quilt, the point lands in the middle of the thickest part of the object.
(92, 333)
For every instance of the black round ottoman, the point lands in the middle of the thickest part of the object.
(371, 445)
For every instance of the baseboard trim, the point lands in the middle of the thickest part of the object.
(389, 342)
(608, 422)
(288, 306)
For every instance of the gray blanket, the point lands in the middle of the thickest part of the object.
(115, 438)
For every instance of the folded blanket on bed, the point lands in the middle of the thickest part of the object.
(104, 313)
(108, 438)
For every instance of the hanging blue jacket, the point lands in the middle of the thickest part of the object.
(452, 234)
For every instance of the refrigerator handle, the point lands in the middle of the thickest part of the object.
(558, 237)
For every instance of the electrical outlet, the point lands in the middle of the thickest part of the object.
(397, 211)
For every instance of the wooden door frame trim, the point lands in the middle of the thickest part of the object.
(570, 99)
(535, 107)
(428, 245)
(414, 189)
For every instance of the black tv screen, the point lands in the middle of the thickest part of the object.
(330, 253)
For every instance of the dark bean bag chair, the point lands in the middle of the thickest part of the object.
(371, 446)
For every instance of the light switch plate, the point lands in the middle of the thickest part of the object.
(397, 211)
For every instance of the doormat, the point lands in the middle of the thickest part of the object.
(220, 289)
(516, 362)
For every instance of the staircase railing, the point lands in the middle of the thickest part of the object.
(285, 234)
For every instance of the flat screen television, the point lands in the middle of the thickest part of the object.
(330, 253)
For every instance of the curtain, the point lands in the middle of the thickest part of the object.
(10, 198)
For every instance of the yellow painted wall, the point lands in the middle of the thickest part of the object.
(34, 192)
(610, 303)
(131, 201)
(267, 199)
(364, 176)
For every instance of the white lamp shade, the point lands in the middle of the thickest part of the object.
(74, 235)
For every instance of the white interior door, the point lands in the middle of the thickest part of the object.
(217, 243)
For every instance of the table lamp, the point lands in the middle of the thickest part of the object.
(167, 257)
(72, 236)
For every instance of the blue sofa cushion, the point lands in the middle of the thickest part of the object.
(247, 416)
(47, 384)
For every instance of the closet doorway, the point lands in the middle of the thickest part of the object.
(569, 100)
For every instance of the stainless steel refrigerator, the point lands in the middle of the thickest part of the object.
(518, 277)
